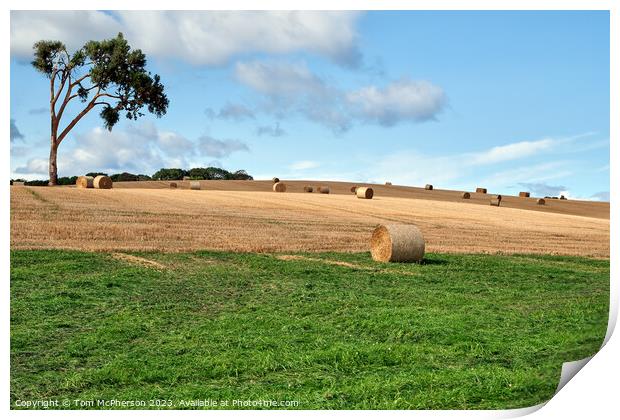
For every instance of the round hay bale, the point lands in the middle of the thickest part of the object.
(308, 189)
(194, 185)
(279, 187)
(388, 183)
(540, 201)
(481, 190)
(364, 192)
(173, 185)
(275, 179)
(324, 190)
(428, 187)
(84, 182)
(397, 243)
(524, 194)
(495, 202)
(466, 195)
(353, 189)
(102, 182)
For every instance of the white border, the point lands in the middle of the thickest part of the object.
(592, 392)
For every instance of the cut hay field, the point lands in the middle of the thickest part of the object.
(248, 216)
(574, 207)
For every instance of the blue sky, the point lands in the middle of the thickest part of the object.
(506, 100)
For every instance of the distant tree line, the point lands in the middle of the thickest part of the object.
(211, 172)
(164, 174)
(65, 180)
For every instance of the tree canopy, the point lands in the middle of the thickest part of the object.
(104, 73)
(113, 75)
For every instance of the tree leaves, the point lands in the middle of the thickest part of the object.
(117, 75)
(110, 117)
(46, 54)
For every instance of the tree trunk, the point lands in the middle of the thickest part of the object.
(53, 167)
(56, 139)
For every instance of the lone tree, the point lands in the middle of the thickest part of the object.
(101, 73)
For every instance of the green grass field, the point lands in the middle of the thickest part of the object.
(458, 332)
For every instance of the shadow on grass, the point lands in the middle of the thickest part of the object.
(434, 261)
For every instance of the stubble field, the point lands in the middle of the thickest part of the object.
(246, 216)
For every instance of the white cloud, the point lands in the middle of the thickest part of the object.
(513, 151)
(15, 134)
(542, 189)
(293, 88)
(267, 130)
(511, 173)
(34, 167)
(402, 100)
(488, 166)
(600, 196)
(304, 164)
(215, 163)
(523, 149)
(540, 172)
(198, 37)
(137, 148)
(235, 112)
(73, 27)
(279, 79)
(212, 38)
(174, 144)
(210, 146)
(37, 111)
(414, 168)
(20, 151)
(332, 116)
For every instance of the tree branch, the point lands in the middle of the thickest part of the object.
(75, 121)
(79, 116)
(68, 57)
(67, 99)
(65, 75)
(90, 88)
(98, 95)
(79, 81)
(52, 91)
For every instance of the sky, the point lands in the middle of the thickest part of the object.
(511, 101)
